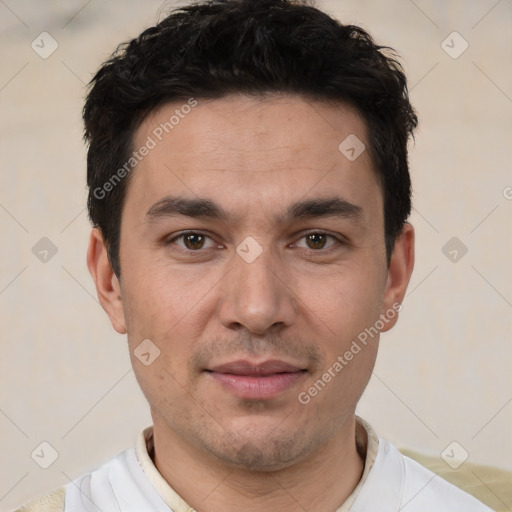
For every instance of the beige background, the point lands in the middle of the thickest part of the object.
(443, 374)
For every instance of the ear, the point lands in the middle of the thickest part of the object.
(108, 287)
(399, 274)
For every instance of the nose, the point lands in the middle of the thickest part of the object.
(256, 296)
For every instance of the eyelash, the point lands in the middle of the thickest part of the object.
(169, 241)
(338, 241)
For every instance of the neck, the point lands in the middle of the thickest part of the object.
(322, 481)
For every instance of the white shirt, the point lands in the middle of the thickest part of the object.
(391, 482)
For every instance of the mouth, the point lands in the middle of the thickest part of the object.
(259, 381)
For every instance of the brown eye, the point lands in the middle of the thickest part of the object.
(316, 240)
(193, 241)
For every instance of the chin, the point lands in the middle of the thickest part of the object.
(262, 450)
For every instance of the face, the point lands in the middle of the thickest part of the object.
(252, 257)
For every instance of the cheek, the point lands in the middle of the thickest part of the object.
(160, 298)
(345, 302)
(172, 309)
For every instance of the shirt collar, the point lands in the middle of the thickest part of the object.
(143, 448)
(367, 443)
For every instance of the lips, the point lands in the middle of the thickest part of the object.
(261, 369)
(257, 381)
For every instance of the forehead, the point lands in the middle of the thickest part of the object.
(248, 150)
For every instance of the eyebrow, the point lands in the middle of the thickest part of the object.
(323, 207)
(171, 206)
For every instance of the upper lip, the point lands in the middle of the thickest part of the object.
(243, 367)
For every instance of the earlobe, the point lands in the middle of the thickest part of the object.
(108, 287)
(399, 273)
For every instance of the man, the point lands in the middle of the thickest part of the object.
(249, 192)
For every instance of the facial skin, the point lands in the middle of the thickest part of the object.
(240, 443)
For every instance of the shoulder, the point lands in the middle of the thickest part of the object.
(490, 485)
(396, 482)
(51, 502)
(424, 489)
